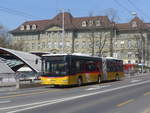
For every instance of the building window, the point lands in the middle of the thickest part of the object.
(27, 27)
(77, 44)
(90, 22)
(22, 27)
(39, 45)
(49, 44)
(104, 54)
(34, 27)
(115, 44)
(129, 43)
(129, 54)
(84, 24)
(129, 62)
(139, 44)
(43, 45)
(98, 23)
(97, 44)
(83, 44)
(115, 55)
(55, 44)
(68, 44)
(122, 44)
(33, 45)
(134, 24)
(60, 45)
(136, 61)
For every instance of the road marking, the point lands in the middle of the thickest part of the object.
(146, 111)
(27, 94)
(50, 102)
(124, 103)
(133, 81)
(97, 87)
(5, 101)
(147, 93)
(92, 89)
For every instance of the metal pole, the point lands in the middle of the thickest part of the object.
(142, 56)
(63, 29)
(115, 43)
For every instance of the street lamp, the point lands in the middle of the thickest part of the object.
(142, 59)
(142, 48)
(63, 29)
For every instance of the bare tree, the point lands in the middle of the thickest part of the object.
(138, 48)
(4, 37)
(101, 43)
(113, 16)
(92, 41)
(6, 40)
(96, 38)
(2, 42)
(17, 46)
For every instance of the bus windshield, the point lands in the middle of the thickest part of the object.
(55, 67)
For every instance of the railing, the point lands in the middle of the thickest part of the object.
(7, 79)
(17, 81)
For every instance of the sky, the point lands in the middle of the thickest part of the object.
(14, 12)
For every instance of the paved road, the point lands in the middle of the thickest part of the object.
(127, 96)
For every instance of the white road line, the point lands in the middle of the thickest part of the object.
(5, 101)
(133, 81)
(105, 86)
(40, 104)
(97, 87)
(92, 89)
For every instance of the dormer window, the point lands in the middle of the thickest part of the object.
(90, 23)
(34, 27)
(84, 24)
(134, 24)
(22, 27)
(98, 23)
(27, 27)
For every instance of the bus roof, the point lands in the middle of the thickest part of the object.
(79, 54)
(73, 54)
(55, 54)
(113, 58)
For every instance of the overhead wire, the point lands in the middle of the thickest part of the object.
(122, 6)
(139, 10)
(18, 13)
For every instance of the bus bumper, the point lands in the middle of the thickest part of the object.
(54, 80)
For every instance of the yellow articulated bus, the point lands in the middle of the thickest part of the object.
(75, 69)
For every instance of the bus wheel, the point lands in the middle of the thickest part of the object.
(79, 81)
(99, 79)
(117, 77)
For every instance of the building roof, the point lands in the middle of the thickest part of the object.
(75, 23)
(70, 23)
(138, 23)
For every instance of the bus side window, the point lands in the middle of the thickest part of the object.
(78, 66)
(73, 67)
(91, 67)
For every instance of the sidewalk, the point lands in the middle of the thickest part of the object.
(7, 89)
(127, 76)
(12, 86)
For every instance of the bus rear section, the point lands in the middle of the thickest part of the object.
(113, 69)
(70, 70)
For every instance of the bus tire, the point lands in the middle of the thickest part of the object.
(79, 81)
(99, 80)
(117, 78)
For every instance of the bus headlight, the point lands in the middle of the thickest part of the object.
(65, 80)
